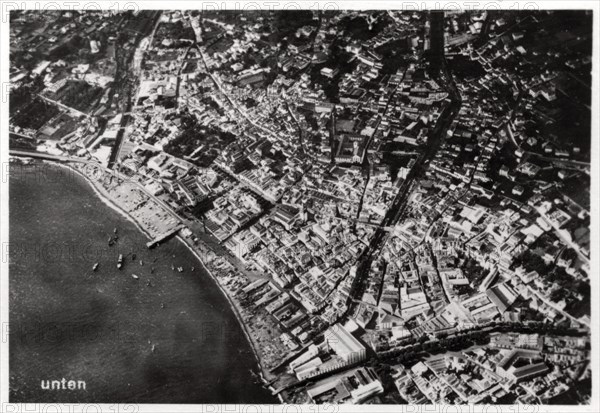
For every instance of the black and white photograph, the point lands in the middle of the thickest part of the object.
(301, 204)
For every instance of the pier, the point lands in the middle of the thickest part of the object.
(163, 237)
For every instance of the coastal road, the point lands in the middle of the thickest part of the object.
(43, 155)
(63, 158)
(195, 226)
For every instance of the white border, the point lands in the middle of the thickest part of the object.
(416, 5)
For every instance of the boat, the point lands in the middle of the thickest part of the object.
(153, 347)
(120, 261)
(141, 262)
(180, 269)
(135, 276)
(95, 267)
(162, 305)
(111, 242)
(193, 268)
(115, 230)
(172, 267)
(256, 378)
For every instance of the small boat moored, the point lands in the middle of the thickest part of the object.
(120, 261)
(95, 267)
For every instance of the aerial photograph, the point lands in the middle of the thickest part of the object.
(378, 207)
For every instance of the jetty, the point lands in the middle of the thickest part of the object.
(163, 237)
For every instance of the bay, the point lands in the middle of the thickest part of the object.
(167, 337)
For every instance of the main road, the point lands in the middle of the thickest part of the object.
(434, 141)
(124, 81)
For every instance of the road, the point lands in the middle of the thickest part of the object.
(94, 164)
(550, 304)
(193, 225)
(181, 66)
(63, 106)
(124, 82)
(231, 101)
(300, 131)
(43, 155)
(434, 141)
(554, 160)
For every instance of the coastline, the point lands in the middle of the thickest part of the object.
(106, 199)
(234, 306)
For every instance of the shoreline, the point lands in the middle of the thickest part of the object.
(106, 199)
(232, 304)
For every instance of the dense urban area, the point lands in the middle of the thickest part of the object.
(396, 204)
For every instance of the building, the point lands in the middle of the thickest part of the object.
(309, 354)
(345, 345)
(286, 215)
(502, 296)
(308, 369)
(521, 364)
(354, 387)
(330, 73)
(517, 341)
(352, 148)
